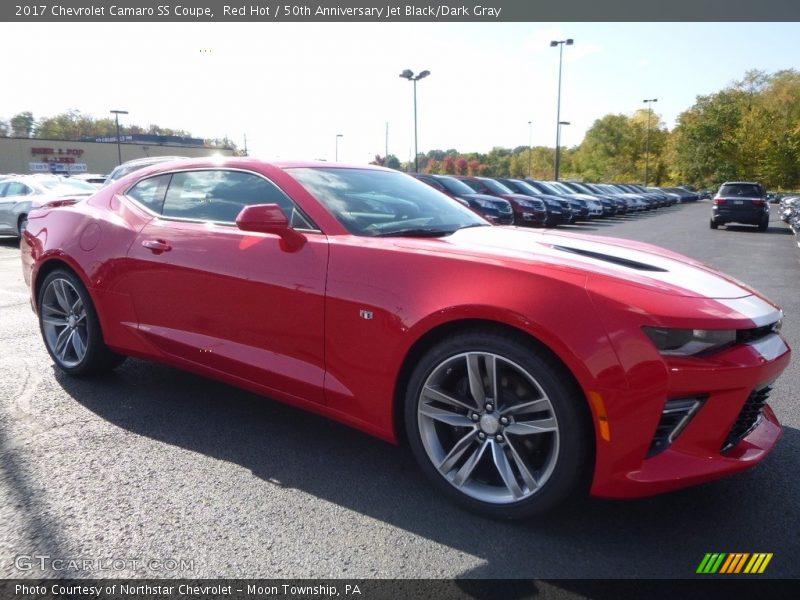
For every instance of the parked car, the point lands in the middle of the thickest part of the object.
(684, 194)
(497, 210)
(742, 202)
(22, 193)
(609, 205)
(558, 211)
(134, 165)
(527, 211)
(96, 179)
(523, 367)
(579, 207)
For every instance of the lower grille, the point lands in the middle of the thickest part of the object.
(676, 415)
(748, 418)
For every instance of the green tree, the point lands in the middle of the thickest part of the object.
(22, 124)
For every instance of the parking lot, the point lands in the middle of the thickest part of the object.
(158, 468)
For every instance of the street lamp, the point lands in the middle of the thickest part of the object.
(530, 147)
(560, 123)
(560, 44)
(409, 74)
(117, 113)
(649, 103)
(338, 135)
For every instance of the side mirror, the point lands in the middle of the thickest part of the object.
(269, 218)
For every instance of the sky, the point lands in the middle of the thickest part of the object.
(290, 88)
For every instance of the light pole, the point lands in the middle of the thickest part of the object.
(649, 103)
(560, 123)
(409, 74)
(560, 44)
(530, 147)
(338, 135)
(117, 113)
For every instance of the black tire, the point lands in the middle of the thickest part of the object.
(22, 224)
(764, 224)
(60, 326)
(558, 462)
(713, 224)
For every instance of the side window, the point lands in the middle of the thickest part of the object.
(150, 192)
(16, 188)
(220, 195)
(3, 187)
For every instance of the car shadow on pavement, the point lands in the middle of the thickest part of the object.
(662, 537)
(777, 229)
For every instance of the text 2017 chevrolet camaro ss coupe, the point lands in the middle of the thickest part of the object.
(522, 366)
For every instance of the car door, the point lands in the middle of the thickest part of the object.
(238, 303)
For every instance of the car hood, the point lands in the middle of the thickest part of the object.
(635, 263)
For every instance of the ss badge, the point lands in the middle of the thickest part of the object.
(365, 314)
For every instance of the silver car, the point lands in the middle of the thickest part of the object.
(19, 194)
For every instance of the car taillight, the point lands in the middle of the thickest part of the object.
(759, 202)
(719, 200)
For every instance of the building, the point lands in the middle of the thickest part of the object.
(98, 155)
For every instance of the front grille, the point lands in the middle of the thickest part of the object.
(746, 336)
(676, 415)
(748, 418)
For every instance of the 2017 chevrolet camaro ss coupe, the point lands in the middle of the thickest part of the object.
(521, 366)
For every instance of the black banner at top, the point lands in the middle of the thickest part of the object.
(394, 11)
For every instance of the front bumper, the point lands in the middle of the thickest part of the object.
(702, 451)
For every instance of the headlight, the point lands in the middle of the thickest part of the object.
(689, 342)
(484, 203)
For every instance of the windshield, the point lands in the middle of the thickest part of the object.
(545, 188)
(497, 188)
(454, 186)
(525, 188)
(562, 189)
(371, 202)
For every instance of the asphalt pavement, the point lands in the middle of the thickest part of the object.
(153, 472)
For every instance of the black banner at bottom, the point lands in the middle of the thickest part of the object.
(388, 589)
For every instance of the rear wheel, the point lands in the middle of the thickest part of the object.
(764, 224)
(22, 224)
(497, 425)
(713, 224)
(70, 328)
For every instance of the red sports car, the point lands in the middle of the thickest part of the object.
(521, 366)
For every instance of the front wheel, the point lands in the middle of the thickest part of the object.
(497, 425)
(70, 328)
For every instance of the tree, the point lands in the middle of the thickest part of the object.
(22, 124)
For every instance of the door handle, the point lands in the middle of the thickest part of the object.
(157, 246)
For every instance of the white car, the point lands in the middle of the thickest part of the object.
(20, 194)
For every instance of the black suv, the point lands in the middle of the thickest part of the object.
(740, 202)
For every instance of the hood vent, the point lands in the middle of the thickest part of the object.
(623, 262)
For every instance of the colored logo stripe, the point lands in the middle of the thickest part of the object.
(716, 562)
